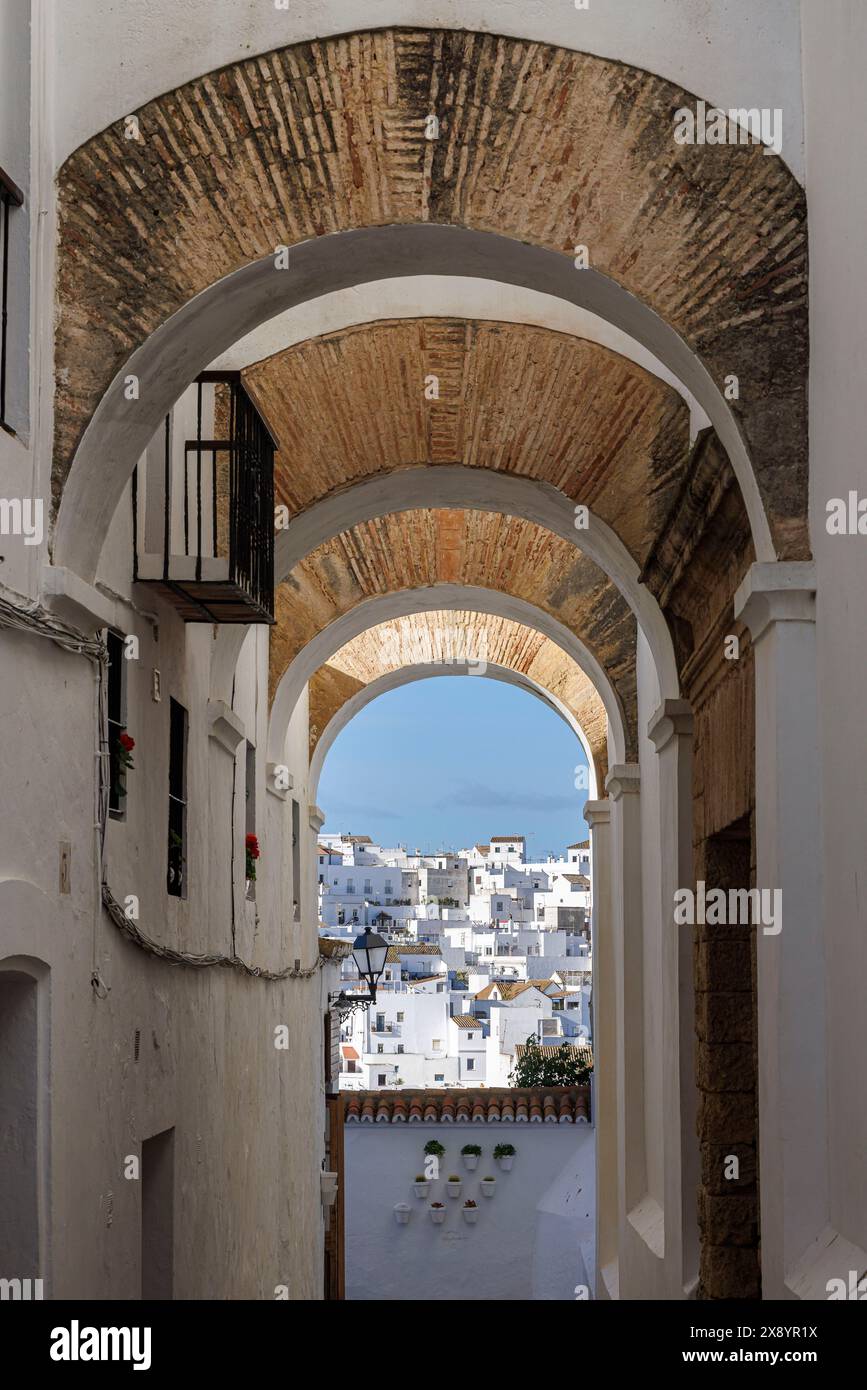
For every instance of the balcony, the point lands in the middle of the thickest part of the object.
(203, 507)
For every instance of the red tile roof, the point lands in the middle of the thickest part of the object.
(499, 1105)
(466, 1021)
(349, 1053)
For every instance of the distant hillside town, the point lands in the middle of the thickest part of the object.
(489, 953)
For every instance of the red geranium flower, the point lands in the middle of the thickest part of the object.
(126, 742)
(252, 845)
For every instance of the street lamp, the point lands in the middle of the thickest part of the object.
(369, 951)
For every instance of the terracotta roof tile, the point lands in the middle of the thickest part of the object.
(551, 1104)
(465, 1021)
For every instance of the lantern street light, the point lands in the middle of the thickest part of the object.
(369, 951)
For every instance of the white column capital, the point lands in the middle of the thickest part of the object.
(784, 592)
(623, 779)
(597, 813)
(674, 718)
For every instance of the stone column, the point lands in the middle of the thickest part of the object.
(777, 603)
(623, 785)
(671, 731)
(597, 815)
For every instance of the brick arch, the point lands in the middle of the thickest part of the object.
(444, 642)
(512, 398)
(539, 144)
(431, 549)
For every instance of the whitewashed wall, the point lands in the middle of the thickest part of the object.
(532, 1240)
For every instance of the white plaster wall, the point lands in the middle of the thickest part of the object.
(651, 850)
(835, 39)
(529, 1240)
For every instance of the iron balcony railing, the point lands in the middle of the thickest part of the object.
(216, 560)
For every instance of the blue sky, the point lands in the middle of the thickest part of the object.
(450, 761)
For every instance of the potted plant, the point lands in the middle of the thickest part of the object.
(433, 1146)
(251, 854)
(453, 1186)
(420, 1184)
(121, 761)
(437, 1213)
(504, 1154)
(401, 1213)
(489, 1187)
(471, 1153)
(471, 1212)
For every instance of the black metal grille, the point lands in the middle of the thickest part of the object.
(227, 511)
(10, 197)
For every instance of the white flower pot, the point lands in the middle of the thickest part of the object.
(489, 1188)
(454, 1188)
(437, 1215)
(506, 1163)
(471, 1215)
(471, 1161)
(401, 1213)
(420, 1188)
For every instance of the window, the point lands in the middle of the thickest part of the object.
(436, 1044)
(176, 879)
(400, 1016)
(400, 1047)
(10, 197)
(470, 1037)
(367, 888)
(380, 1078)
(471, 1064)
(380, 1047)
(250, 804)
(380, 1023)
(296, 858)
(350, 885)
(388, 888)
(116, 699)
(439, 1076)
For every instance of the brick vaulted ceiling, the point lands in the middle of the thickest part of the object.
(536, 143)
(512, 398)
(425, 548)
(445, 638)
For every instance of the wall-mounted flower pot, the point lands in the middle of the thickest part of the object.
(453, 1187)
(506, 1162)
(471, 1161)
(488, 1186)
(437, 1215)
(421, 1188)
(401, 1213)
(328, 1188)
(471, 1215)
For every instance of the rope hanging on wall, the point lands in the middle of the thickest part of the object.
(145, 943)
(38, 622)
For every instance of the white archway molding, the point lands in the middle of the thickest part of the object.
(407, 675)
(485, 490)
(120, 429)
(432, 598)
(446, 296)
